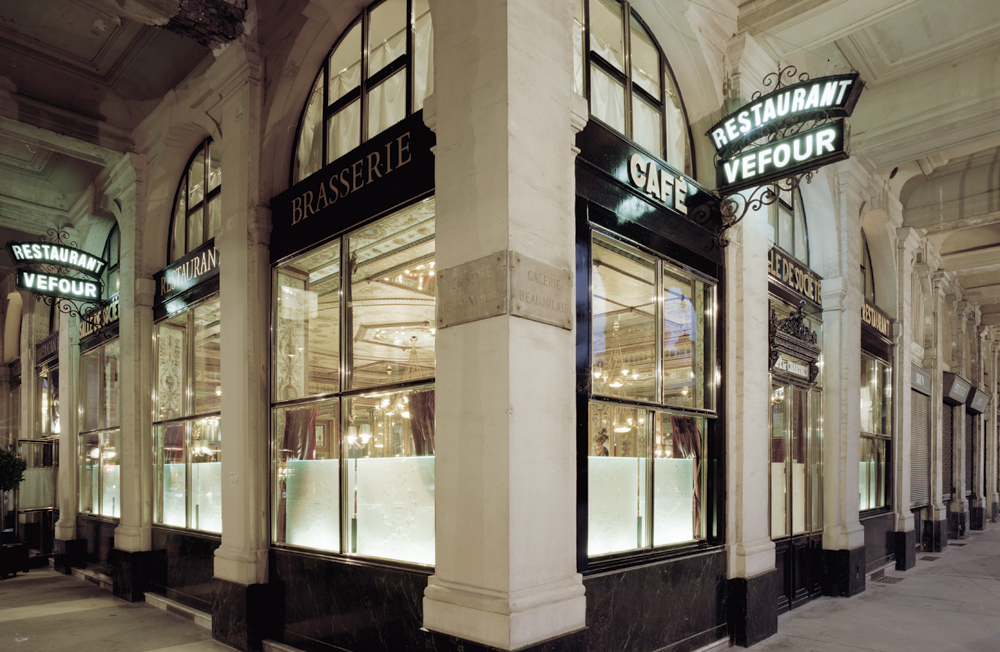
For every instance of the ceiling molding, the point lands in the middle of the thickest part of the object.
(29, 218)
(985, 219)
(62, 131)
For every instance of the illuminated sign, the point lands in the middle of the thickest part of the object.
(55, 285)
(826, 97)
(876, 320)
(794, 276)
(783, 158)
(658, 183)
(792, 366)
(29, 253)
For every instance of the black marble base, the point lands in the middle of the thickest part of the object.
(977, 518)
(995, 512)
(844, 572)
(69, 554)
(190, 567)
(957, 524)
(100, 536)
(753, 608)
(135, 572)
(934, 537)
(906, 549)
(880, 541)
(244, 615)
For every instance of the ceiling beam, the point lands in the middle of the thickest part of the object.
(986, 259)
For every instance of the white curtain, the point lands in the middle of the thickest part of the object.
(677, 136)
(387, 103)
(646, 128)
(578, 56)
(344, 81)
(423, 60)
(309, 152)
(385, 53)
(344, 131)
(607, 99)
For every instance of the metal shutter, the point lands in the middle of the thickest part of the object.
(947, 450)
(920, 459)
(970, 427)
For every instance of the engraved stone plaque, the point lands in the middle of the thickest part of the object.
(541, 292)
(473, 291)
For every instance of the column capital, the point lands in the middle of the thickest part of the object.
(748, 63)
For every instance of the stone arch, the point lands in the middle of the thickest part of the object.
(821, 221)
(881, 235)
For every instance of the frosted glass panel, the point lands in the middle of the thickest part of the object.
(778, 500)
(673, 497)
(614, 504)
(110, 500)
(395, 507)
(206, 496)
(312, 499)
(798, 498)
(173, 494)
(36, 491)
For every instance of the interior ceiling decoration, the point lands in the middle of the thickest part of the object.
(931, 111)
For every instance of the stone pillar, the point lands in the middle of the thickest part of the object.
(958, 508)
(990, 490)
(505, 471)
(981, 379)
(753, 579)
(241, 616)
(935, 535)
(905, 538)
(135, 564)
(69, 551)
(843, 534)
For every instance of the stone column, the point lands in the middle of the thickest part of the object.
(981, 379)
(905, 539)
(843, 534)
(958, 508)
(69, 551)
(505, 470)
(991, 495)
(135, 564)
(935, 534)
(241, 615)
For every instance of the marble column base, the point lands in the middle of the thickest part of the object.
(957, 524)
(134, 571)
(243, 615)
(844, 572)
(995, 512)
(905, 544)
(977, 518)
(753, 608)
(934, 538)
(69, 554)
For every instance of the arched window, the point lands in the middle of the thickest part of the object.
(867, 278)
(379, 71)
(626, 78)
(112, 254)
(198, 202)
(788, 220)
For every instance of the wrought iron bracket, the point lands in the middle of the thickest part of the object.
(735, 206)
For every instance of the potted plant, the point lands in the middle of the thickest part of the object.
(13, 557)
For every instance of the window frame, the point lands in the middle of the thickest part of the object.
(188, 417)
(711, 506)
(345, 393)
(114, 263)
(361, 92)
(775, 215)
(885, 470)
(204, 147)
(625, 77)
(867, 273)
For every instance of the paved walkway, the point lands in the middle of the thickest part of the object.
(949, 602)
(45, 611)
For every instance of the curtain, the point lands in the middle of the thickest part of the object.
(423, 60)
(422, 422)
(309, 151)
(646, 126)
(344, 131)
(297, 443)
(387, 103)
(687, 443)
(607, 99)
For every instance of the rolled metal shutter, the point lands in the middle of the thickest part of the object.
(970, 421)
(947, 450)
(920, 450)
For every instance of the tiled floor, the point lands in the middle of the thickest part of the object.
(44, 611)
(947, 604)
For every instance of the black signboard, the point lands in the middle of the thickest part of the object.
(876, 321)
(783, 158)
(193, 269)
(920, 380)
(383, 173)
(814, 99)
(101, 319)
(955, 389)
(977, 401)
(47, 348)
(799, 279)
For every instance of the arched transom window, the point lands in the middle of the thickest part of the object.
(379, 72)
(198, 203)
(867, 277)
(788, 220)
(620, 68)
(112, 254)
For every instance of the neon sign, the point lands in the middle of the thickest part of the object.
(56, 285)
(49, 253)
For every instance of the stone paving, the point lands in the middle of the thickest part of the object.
(949, 602)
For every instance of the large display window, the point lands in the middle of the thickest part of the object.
(100, 435)
(187, 414)
(352, 392)
(652, 356)
(876, 432)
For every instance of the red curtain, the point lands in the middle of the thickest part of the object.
(688, 444)
(297, 443)
(422, 422)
